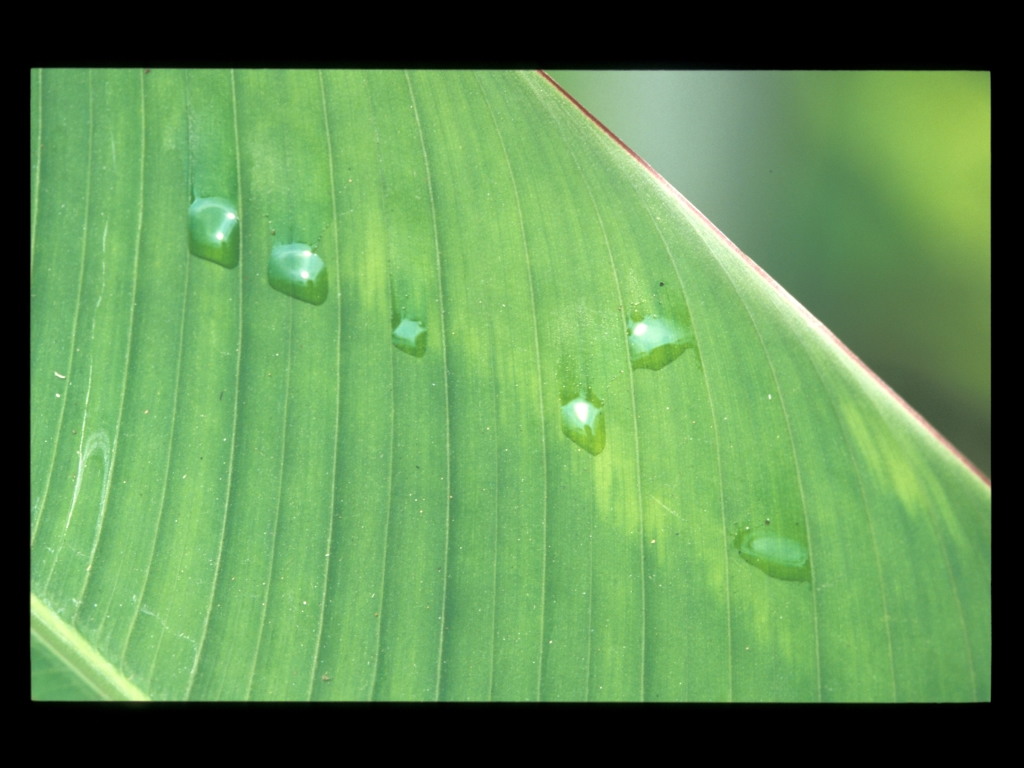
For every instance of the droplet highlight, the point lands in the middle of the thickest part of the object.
(295, 270)
(583, 422)
(655, 341)
(213, 231)
(773, 552)
(410, 336)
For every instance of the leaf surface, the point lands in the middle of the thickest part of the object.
(620, 463)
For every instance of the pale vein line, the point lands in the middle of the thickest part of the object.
(497, 528)
(867, 512)
(181, 556)
(714, 430)
(191, 133)
(238, 374)
(796, 462)
(82, 457)
(131, 318)
(590, 587)
(636, 430)
(107, 475)
(167, 471)
(956, 592)
(37, 510)
(164, 628)
(590, 602)
(39, 165)
(447, 386)
(74, 333)
(718, 446)
(280, 490)
(636, 439)
(117, 430)
(540, 385)
(391, 455)
(497, 443)
(337, 410)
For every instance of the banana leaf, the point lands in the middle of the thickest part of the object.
(421, 386)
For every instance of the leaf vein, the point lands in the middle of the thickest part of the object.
(229, 480)
(447, 394)
(540, 384)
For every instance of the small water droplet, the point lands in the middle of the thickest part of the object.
(213, 231)
(296, 271)
(773, 552)
(410, 336)
(583, 422)
(654, 342)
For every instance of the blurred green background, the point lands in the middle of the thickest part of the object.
(866, 195)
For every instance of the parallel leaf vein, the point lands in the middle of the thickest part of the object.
(792, 445)
(167, 471)
(391, 454)
(867, 512)
(714, 431)
(636, 431)
(38, 176)
(229, 478)
(128, 349)
(540, 384)
(447, 394)
(337, 407)
(280, 492)
(74, 334)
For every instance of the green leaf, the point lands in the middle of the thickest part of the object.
(548, 435)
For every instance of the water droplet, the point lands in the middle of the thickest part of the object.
(654, 342)
(410, 336)
(296, 271)
(213, 231)
(583, 422)
(775, 553)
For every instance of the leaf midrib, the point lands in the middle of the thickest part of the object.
(78, 654)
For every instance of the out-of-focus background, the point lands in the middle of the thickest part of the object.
(865, 194)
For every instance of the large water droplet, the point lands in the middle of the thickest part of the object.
(583, 422)
(772, 551)
(296, 271)
(213, 231)
(410, 336)
(654, 342)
